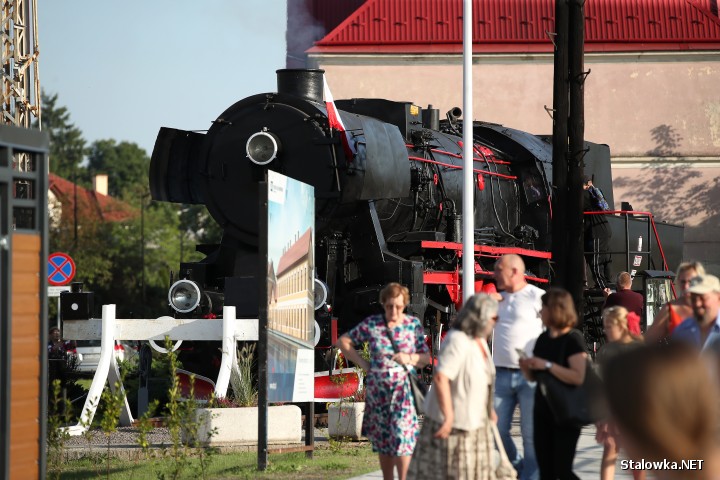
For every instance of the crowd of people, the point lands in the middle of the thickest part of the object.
(652, 399)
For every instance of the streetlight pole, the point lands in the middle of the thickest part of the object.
(142, 250)
(468, 236)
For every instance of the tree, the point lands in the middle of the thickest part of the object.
(198, 226)
(126, 165)
(67, 145)
(112, 256)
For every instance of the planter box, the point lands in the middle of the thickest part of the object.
(239, 426)
(345, 420)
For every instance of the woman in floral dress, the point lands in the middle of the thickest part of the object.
(390, 421)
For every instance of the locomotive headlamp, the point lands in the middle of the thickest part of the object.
(320, 294)
(262, 147)
(184, 296)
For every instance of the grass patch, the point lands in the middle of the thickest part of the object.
(84, 383)
(348, 461)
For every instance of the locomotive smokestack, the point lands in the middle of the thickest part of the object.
(303, 83)
(431, 118)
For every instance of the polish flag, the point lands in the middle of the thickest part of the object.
(336, 122)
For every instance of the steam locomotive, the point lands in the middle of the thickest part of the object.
(387, 199)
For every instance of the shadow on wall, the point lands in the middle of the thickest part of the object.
(667, 141)
(677, 193)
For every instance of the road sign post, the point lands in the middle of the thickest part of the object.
(55, 292)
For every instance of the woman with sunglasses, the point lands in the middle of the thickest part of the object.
(674, 312)
(396, 341)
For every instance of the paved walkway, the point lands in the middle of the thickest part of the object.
(587, 457)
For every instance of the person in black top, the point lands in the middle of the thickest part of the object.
(596, 234)
(56, 345)
(560, 351)
(57, 348)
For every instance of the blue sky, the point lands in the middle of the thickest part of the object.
(125, 69)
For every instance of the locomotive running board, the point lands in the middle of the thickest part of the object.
(487, 249)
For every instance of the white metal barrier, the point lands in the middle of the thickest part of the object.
(109, 329)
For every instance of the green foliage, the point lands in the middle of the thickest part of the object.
(145, 426)
(245, 388)
(126, 165)
(59, 414)
(337, 445)
(347, 461)
(113, 402)
(86, 423)
(111, 256)
(358, 396)
(67, 145)
(158, 386)
(176, 417)
(182, 420)
(198, 225)
(88, 246)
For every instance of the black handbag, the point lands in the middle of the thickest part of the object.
(418, 388)
(572, 405)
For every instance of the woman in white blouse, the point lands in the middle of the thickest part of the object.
(456, 439)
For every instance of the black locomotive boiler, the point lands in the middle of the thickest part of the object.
(388, 197)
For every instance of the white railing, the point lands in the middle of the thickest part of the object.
(109, 329)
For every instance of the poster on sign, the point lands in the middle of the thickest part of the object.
(290, 289)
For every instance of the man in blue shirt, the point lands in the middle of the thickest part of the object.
(703, 328)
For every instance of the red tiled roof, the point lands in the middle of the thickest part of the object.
(101, 206)
(435, 26)
(298, 250)
(709, 5)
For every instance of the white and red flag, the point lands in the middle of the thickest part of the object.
(336, 122)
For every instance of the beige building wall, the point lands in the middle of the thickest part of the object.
(294, 312)
(659, 113)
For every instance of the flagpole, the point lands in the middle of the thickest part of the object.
(468, 237)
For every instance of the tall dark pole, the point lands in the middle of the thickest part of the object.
(142, 251)
(262, 364)
(575, 258)
(182, 235)
(560, 145)
(75, 208)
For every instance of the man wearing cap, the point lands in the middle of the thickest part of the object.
(597, 233)
(703, 328)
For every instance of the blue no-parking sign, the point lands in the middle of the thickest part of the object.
(61, 269)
